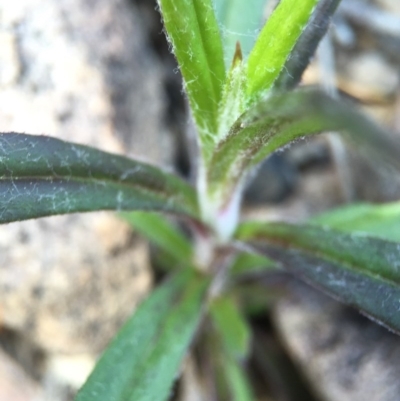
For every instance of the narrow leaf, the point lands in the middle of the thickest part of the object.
(43, 176)
(232, 103)
(240, 21)
(361, 271)
(228, 372)
(144, 358)
(284, 118)
(193, 30)
(231, 326)
(238, 382)
(251, 263)
(259, 296)
(306, 45)
(275, 43)
(381, 221)
(162, 232)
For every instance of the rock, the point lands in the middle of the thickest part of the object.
(369, 76)
(392, 6)
(372, 18)
(274, 181)
(69, 282)
(79, 70)
(344, 356)
(312, 153)
(64, 374)
(15, 384)
(316, 191)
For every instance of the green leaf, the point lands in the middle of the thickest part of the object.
(232, 103)
(143, 360)
(240, 21)
(231, 326)
(361, 271)
(251, 263)
(381, 221)
(163, 233)
(193, 30)
(43, 176)
(228, 371)
(237, 381)
(306, 45)
(275, 44)
(258, 297)
(284, 118)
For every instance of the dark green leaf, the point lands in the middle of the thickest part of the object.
(361, 271)
(42, 176)
(283, 118)
(144, 358)
(381, 221)
(231, 326)
(163, 233)
(196, 41)
(306, 45)
(240, 21)
(275, 44)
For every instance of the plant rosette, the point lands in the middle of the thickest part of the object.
(245, 106)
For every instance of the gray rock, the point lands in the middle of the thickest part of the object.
(79, 70)
(345, 356)
(274, 181)
(392, 6)
(15, 384)
(370, 76)
(69, 282)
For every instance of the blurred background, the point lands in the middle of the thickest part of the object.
(100, 72)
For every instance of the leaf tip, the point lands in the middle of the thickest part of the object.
(238, 55)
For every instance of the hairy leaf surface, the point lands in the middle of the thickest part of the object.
(42, 176)
(361, 271)
(193, 30)
(283, 118)
(306, 45)
(143, 360)
(275, 43)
